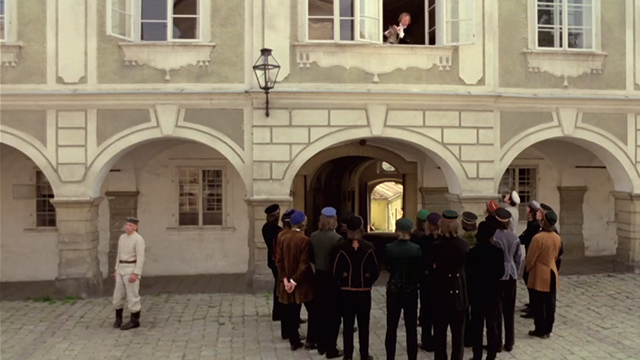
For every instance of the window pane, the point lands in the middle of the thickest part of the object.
(154, 31)
(550, 37)
(188, 219)
(154, 10)
(580, 38)
(190, 176)
(549, 13)
(579, 15)
(185, 28)
(320, 29)
(120, 5)
(347, 29)
(320, 7)
(1, 7)
(2, 31)
(185, 7)
(369, 29)
(45, 211)
(346, 8)
(121, 23)
(212, 218)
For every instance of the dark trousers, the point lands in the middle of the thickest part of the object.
(356, 304)
(291, 322)
(507, 311)
(426, 314)
(543, 306)
(327, 315)
(481, 312)
(525, 278)
(398, 302)
(444, 318)
(275, 312)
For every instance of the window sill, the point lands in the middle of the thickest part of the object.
(9, 53)
(167, 56)
(192, 229)
(565, 63)
(40, 230)
(373, 58)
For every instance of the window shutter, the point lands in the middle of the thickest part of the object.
(120, 18)
(459, 25)
(369, 26)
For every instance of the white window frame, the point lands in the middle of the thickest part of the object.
(135, 18)
(5, 20)
(441, 21)
(516, 185)
(225, 196)
(10, 22)
(596, 39)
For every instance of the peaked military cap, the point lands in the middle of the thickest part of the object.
(450, 215)
(272, 209)
(132, 220)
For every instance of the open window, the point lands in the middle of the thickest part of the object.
(433, 22)
(155, 20)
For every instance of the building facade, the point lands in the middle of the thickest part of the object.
(151, 108)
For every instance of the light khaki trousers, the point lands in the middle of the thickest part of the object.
(127, 291)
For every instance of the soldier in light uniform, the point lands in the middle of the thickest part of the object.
(129, 262)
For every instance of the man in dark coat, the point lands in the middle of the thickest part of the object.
(403, 262)
(485, 268)
(270, 231)
(449, 287)
(533, 227)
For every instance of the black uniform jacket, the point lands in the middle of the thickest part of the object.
(533, 227)
(403, 260)
(449, 277)
(356, 269)
(425, 242)
(485, 268)
(270, 233)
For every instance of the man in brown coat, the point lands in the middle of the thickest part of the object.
(543, 274)
(296, 275)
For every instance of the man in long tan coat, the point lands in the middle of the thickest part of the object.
(543, 275)
(129, 263)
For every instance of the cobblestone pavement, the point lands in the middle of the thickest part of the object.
(598, 318)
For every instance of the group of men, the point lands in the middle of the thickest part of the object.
(462, 278)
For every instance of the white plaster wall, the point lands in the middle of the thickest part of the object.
(431, 176)
(184, 251)
(27, 254)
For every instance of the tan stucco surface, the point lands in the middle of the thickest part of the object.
(111, 122)
(513, 123)
(31, 122)
(614, 124)
(229, 122)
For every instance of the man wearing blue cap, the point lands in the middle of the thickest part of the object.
(325, 288)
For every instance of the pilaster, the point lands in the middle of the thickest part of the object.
(259, 277)
(79, 267)
(627, 207)
(571, 219)
(121, 205)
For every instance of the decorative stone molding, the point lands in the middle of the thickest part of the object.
(373, 58)
(9, 53)
(565, 63)
(167, 56)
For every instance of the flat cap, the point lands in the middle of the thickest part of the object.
(545, 207)
(345, 216)
(469, 217)
(434, 218)
(132, 220)
(422, 215)
(297, 218)
(535, 205)
(354, 223)
(404, 225)
(328, 211)
(515, 197)
(503, 214)
(450, 215)
(287, 214)
(272, 209)
(492, 205)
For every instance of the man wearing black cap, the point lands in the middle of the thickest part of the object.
(506, 240)
(544, 208)
(403, 262)
(129, 263)
(449, 287)
(270, 231)
(356, 269)
(485, 268)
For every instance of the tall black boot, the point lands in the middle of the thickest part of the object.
(118, 322)
(133, 323)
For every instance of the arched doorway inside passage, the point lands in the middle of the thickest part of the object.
(27, 218)
(188, 196)
(579, 179)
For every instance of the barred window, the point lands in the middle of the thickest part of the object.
(201, 197)
(45, 211)
(524, 181)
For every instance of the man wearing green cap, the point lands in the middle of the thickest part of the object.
(403, 262)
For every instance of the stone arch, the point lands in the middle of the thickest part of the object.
(100, 166)
(36, 154)
(446, 160)
(621, 167)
